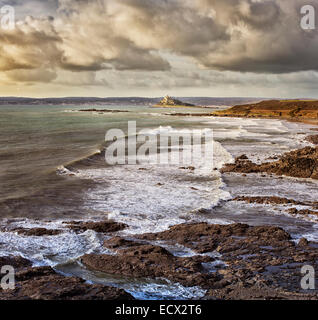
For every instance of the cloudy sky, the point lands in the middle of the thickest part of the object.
(154, 47)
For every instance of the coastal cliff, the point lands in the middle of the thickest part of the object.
(296, 110)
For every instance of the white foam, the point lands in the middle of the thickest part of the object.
(168, 291)
(51, 250)
(158, 196)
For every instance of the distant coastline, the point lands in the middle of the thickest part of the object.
(293, 110)
(203, 101)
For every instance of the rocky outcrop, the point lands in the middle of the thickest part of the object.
(268, 200)
(255, 290)
(101, 226)
(168, 101)
(259, 262)
(313, 139)
(234, 261)
(16, 262)
(43, 283)
(306, 212)
(143, 260)
(37, 232)
(203, 237)
(301, 163)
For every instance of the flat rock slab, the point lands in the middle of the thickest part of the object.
(37, 232)
(146, 260)
(44, 283)
(101, 226)
(15, 262)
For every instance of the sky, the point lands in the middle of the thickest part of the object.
(150, 48)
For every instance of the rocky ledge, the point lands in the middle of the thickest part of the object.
(43, 283)
(107, 226)
(37, 232)
(313, 139)
(143, 260)
(301, 163)
(229, 261)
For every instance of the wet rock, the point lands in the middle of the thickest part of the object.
(118, 242)
(255, 291)
(191, 168)
(37, 232)
(303, 242)
(268, 200)
(242, 157)
(203, 237)
(312, 139)
(146, 260)
(16, 262)
(251, 256)
(44, 283)
(301, 163)
(306, 212)
(102, 226)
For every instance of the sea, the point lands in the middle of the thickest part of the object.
(53, 170)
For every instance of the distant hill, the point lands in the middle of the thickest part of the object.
(286, 109)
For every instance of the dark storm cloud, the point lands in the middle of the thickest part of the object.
(261, 36)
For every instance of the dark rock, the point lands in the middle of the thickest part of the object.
(16, 262)
(242, 157)
(294, 211)
(268, 200)
(303, 242)
(102, 226)
(312, 139)
(44, 283)
(145, 260)
(301, 163)
(260, 262)
(37, 232)
(117, 242)
(204, 237)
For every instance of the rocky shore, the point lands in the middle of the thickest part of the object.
(43, 283)
(234, 261)
(301, 163)
(229, 261)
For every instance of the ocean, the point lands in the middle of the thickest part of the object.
(52, 170)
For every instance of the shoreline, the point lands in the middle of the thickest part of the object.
(236, 261)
